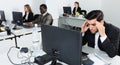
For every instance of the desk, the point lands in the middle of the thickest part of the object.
(114, 61)
(4, 36)
(24, 41)
(25, 31)
(28, 42)
(64, 21)
(21, 32)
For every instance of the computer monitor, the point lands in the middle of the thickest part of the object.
(67, 10)
(17, 18)
(62, 43)
(2, 17)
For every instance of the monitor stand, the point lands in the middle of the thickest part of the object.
(16, 28)
(54, 62)
(55, 55)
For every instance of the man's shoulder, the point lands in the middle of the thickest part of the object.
(48, 14)
(112, 30)
(112, 27)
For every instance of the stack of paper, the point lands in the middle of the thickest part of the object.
(98, 60)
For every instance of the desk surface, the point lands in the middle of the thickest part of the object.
(86, 49)
(73, 17)
(63, 21)
(113, 61)
(20, 32)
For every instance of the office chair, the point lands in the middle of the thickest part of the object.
(36, 16)
(83, 12)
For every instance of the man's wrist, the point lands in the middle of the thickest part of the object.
(102, 38)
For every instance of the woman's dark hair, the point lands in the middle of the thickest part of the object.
(28, 7)
(77, 3)
(95, 14)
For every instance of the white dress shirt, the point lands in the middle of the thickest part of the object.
(44, 13)
(26, 15)
(102, 39)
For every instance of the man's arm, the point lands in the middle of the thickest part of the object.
(110, 47)
(111, 43)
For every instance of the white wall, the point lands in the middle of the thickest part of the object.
(18, 5)
(35, 4)
(84, 4)
(55, 7)
(90, 4)
(111, 10)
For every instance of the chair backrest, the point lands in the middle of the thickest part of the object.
(83, 12)
(36, 16)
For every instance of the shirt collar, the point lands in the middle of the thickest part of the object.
(97, 33)
(44, 13)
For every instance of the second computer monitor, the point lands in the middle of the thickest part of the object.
(64, 44)
(2, 15)
(67, 10)
(17, 18)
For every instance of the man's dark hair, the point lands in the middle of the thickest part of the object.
(98, 14)
(44, 6)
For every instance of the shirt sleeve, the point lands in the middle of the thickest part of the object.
(83, 34)
(103, 38)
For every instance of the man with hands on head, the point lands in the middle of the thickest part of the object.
(99, 34)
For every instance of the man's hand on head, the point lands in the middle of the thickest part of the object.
(84, 27)
(101, 28)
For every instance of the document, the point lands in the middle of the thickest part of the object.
(98, 60)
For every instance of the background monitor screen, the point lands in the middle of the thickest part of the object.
(66, 43)
(17, 18)
(67, 10)
(2, 15)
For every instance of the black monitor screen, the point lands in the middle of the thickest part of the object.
(67, 10)
(17, 18)
(2, 15)
(66, 43)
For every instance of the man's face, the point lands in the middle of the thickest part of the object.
(92, 25)
(42, 10)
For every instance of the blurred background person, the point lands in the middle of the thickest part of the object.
(76, 9)
(28, 16)
(43, 18)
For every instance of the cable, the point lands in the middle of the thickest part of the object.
(9, 57)
(26, 61)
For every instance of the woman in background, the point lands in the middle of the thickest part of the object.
(77, 8)
(28, 16)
